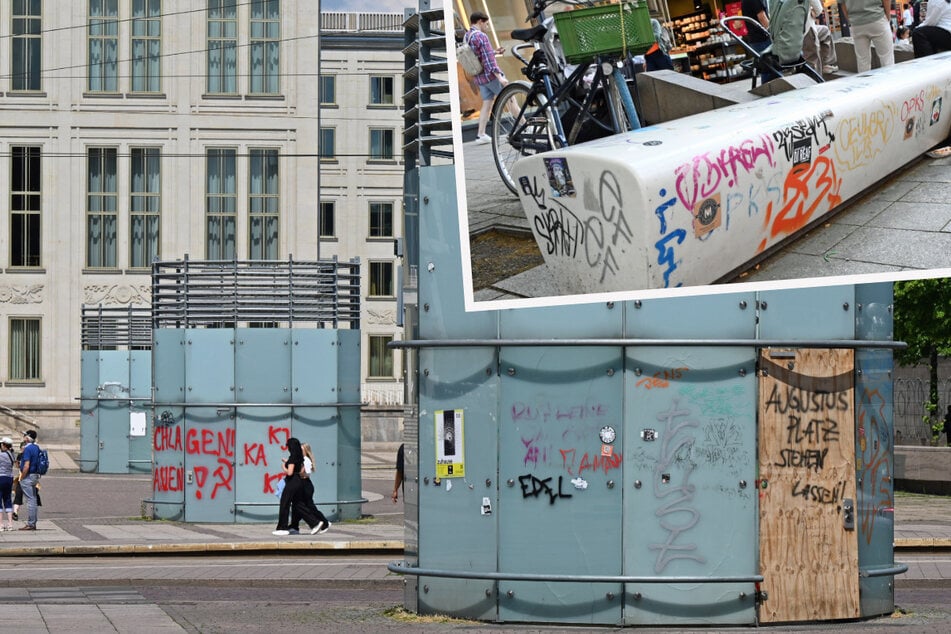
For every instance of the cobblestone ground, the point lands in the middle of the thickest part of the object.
(497, 255)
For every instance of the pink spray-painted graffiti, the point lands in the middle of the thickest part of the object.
(873, 462)
(704, 174)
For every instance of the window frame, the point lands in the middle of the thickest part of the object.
(269, 42)
(377, 229)
(332, 78)
(152, 58)
(391, 133)
(221, 199)
(270, 247)
(380, 100)
(380, 341)
(224, 40)
(153, 246)
(105, 30)
(375, 268)
(332, 131)
(29, 43)
(26, 208)
(13, 348)
(332, 204)
(106, 154)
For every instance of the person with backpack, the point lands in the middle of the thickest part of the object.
(30, 472)
(491, 80)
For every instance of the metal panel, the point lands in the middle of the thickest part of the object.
(826, 312)
(332, 480)
(140, 386)
(727, 316)
(313, 364)
(261, 435)
(457, 530)
(209, 463)
(209, 365)
(140, 373)
(168, 365)
(89, 411)
(348, 421)
(113, 436)
(875, 450)
(561, 495)
(689, 483)
(168, 473)
(262, 365)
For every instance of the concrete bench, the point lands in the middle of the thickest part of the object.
(692, 200)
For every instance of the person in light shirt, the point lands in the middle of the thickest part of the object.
(933, 35)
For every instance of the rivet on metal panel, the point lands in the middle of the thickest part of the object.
(764, 372)
(426, 307)
(742, 484)
(426, 199)
(241, 389)
(637, 484)
(742, 596)
(240, 342)
(610, 484)
(285, 388)
(488, 592)
(425, 371)
(859, 372)
(845, 306)
(189, 388)
(858, 307)
(742, 371)
(426, 480)
(610, 305)
(637, 371)
(510, 371)
(510, 482)
(636, 596)
(743, 305)
(189, 342)
(488, 482)
(665, 478)
(426, 588)
(637, 303)
(510, 594)
(609, 596)
(762, 305)
(610, 371)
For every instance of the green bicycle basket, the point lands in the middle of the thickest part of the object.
(612, 28)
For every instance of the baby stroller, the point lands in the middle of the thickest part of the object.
(786, 31)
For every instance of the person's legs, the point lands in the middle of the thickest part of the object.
(862, 42)
(830, 63)
(488, 93)
(6, 502)
(883, 41)
(29, 494)
(291, 487)
(810, 49)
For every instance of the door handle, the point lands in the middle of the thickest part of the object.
(848, 515)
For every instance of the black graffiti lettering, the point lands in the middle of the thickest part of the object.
(804, 401)
(818, 493)
(810, 458)
(814, 129)
(560, 230)
(532, 487)
(815, 431)
(534, 190)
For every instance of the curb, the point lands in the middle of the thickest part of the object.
(207, 548)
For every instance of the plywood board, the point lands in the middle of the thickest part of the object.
(808, 556)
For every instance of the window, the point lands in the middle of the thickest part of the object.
(381, 144)
(222, 47)
(145, 204)
(327, 90)
(381, 279)
(263, 204)
(103, 46)
(265, 46)
(381, 220)
(146, 45)
(220, 204)
(101, 208)
(27, 44)
(381, 357)
(326, 144)
(327, 223)
(25, 186)
(25, 349)
(381, 91)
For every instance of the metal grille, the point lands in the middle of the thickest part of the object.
(426, 108)
(226, 293)
(116, 327)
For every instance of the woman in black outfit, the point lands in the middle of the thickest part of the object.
(293, 489)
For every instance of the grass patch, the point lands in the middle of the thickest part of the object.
(404, 616)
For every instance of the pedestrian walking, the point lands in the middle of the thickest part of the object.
(398, 480)
(491, 80)
(8, 465)
(306, 502)
(293, 488)
(30, 478)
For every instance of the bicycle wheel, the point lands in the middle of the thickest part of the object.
(521, 126)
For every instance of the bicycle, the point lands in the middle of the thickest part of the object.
(549, 112)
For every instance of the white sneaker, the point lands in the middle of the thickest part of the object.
(482, 140)
(317, 528)
(280, 532)
(325, 528)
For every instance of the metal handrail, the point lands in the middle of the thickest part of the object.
(400, 567)
(628, 342)
(230, 405)
(317, 503)
(891, 571)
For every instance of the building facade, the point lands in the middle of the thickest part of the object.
(155, 129)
